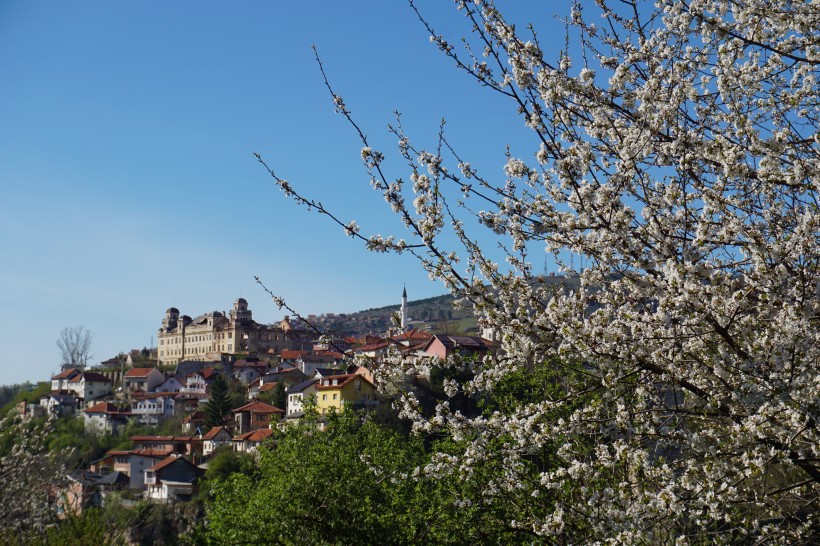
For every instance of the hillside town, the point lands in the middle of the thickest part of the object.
(278, 369)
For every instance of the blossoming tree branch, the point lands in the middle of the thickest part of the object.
(677, 152)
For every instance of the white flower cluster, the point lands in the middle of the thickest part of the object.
(352, 228)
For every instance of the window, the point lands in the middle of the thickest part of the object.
(324, 397)
(335, 396)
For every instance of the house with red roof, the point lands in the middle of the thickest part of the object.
(140, 460)
(442, 346)
(193, 421)
(85, 385)
(335, 392)
(255, 415)
(104, 417)
(198, 382)
(172, 479)
(186, 445)
(59, 381)
(260, 386)
(115, 460)
(289, 357)
(413, 337)
(142, 379)
(215, 438)
(248, 442)
(89, 386)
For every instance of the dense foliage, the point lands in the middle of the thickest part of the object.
(353, 483)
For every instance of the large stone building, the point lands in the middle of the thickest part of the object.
(210, 336)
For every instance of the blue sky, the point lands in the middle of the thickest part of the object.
(127, 178)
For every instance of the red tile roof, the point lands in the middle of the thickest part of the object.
(155, 453)
(413, 335)
(195, 416)
(139, 372)
(161, 439)
(257, 407)
(104, 407)
(65, 374)
(341, 381)
(254, 435)
(288, 354)
(211, 434)
(333, 354)
(169, 460)
(206, 373)
(376, 346)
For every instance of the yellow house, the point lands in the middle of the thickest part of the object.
(338, 391)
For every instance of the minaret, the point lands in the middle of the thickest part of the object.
(404, 309)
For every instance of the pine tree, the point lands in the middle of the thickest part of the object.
(219, 402)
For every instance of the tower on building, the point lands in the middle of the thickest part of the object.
(404, 309)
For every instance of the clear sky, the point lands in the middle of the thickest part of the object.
(127, 178)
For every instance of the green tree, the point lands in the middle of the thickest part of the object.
(219, 402)
(316, 487)
(351, 484)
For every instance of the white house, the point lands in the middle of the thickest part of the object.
(141, 460)
(88, 385)
(298, 394)
(153, 408)
(214, 438)
(104, 417)
(59, 381)
(248, 442)
(197, 382)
